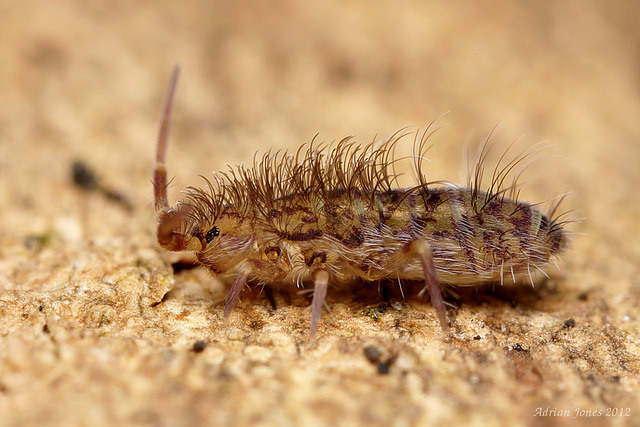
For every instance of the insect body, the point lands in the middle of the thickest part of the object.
(334, 216)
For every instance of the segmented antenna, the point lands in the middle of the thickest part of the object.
(161, 202)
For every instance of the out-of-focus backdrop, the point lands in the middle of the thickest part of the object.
(87, 334)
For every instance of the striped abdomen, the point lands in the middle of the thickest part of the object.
(472, 239)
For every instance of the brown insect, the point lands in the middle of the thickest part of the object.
(327, 216)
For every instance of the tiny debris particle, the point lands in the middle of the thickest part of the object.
(83, 176)
(569, 323)
(256, 325)
(371, 312)
(517, 347)
(615, 378)
(383, 368)
(477, 337)
(375, 356)
(583, 296)
(372, 353)
(35, 241)
(199, 346)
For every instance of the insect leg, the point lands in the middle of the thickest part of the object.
(421, 249)
(238, 283)
(319, 293)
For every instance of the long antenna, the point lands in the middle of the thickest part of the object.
(161, 203)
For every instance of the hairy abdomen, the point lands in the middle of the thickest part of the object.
(473, 236)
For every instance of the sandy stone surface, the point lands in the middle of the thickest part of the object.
(98, 326)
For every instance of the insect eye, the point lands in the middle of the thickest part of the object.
(211, 234)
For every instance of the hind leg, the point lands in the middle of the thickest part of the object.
(421, 250)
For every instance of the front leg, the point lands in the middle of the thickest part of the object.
(316, 266)
(264, 269)
(321, 283)
(238, 283)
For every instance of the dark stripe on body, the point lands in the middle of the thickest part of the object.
(461, 225)
(298, 236)
(411, 227)
(522, 226)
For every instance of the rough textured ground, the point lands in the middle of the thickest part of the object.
(96, 328)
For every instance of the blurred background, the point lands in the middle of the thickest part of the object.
(86, 80)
